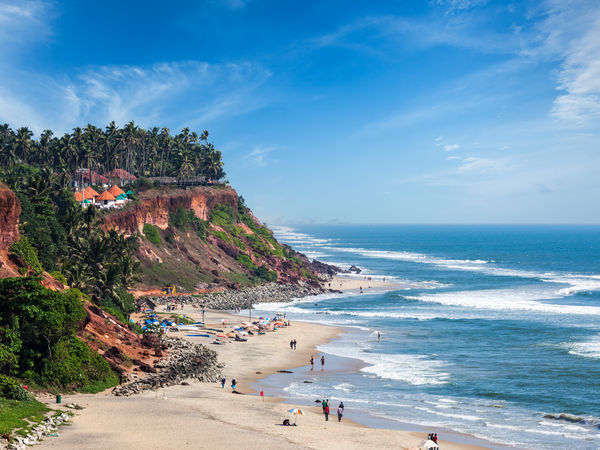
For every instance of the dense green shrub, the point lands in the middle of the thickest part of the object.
(38, 341)
(12, 389)
(152, 234)
(245, 261)
(183, 219)
(23, 250)
(59, 277)
(74, 365)
(264, 273)
(221, 235)
(223, 215)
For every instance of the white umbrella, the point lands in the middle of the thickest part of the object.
(297, 412)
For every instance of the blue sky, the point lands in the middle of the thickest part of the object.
(440, 111)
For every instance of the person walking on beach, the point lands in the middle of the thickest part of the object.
(223, 380)
(291, 345)
(324, 404)
(294, 341)
(233, 384)
(340, 412)
(312, 362)
(327, 413)
(434, 438)
(322, 362)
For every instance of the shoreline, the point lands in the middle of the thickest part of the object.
(204, 415)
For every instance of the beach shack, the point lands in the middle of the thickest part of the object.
(106, 200)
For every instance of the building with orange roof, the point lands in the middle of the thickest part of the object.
(116, 190)
(90, 193)
(106, 200)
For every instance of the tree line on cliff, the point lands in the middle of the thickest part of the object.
(145, 153)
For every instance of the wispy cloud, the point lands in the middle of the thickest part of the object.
(23, 21)
(450, 147)
(259, 154)
(182, 93)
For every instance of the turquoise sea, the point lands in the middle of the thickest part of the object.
(494, 331)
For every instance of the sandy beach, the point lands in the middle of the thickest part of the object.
(203, 415)
(356, 282)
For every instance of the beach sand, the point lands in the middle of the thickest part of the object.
(202, 415)
(354, 283)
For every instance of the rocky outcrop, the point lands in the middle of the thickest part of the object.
(243, 298)
(10, 210)
(153, 207)
(186, 360)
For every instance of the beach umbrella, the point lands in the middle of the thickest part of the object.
(296, 412)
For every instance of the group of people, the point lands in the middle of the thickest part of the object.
(432, 437)
(233, 383)
(293, 344)
(325, 406)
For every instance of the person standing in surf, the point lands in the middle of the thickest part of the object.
(312, 362)
(322, 362)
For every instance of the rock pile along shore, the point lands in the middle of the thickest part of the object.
(185, 360)
(243, 298)
(47, 427)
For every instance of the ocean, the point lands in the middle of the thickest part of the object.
(494, 331)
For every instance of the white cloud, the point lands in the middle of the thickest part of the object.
(258, 155)
(450, 147)
(23, 21)
(579, 78)
(439, 139)
(189, 93)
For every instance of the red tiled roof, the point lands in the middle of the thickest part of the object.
(120, 173)
(94, 177)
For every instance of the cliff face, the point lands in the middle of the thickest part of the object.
(235, 250)
(154, 207)
(10, 210)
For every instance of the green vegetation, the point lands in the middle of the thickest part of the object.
(68, 239)
(59, 277)
(185, 220)
(145, 153)
(37, 338)
(23, 250)
(19, 414)
(221, 235)
(152, 234)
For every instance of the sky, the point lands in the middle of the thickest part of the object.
(435, 111)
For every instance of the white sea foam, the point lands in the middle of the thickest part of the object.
(576, 282)
(506, 300)
(346, 387)
(288, 235)
(411, 369)
(589, 349)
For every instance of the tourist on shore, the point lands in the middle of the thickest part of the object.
(340, 413)
(434, 438)
(324, 404)
(326, 411)
(294, 341)
(312, 362)
(233, 384)
(291, 344)
(223, 380)
(322, 362)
